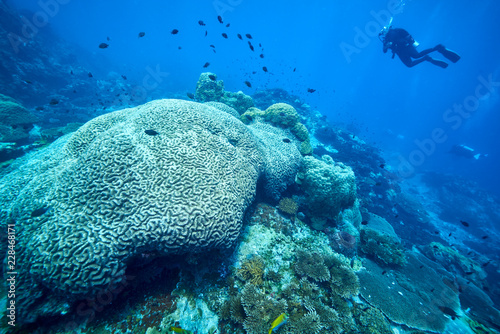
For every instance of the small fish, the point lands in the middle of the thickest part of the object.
(381, 165)
(448, 311)
(366, 309)
(103, 46)
(286, 140)
(224, 35)
(190, 95)
(179, 47)
(141, 34)
(250, 46)
(261, 55)
(90, 75)
(71, 72)
(124, 77)
(206, 33)
(294, 69)
(180, 330)
(248, 84)
(201, 23)
(239, 36)
(39, 212)
(364, 222)
(220, 19)
(206, 65)
(484, 237)
(108, 39)
(421, 266)
(432, 290)
(384, 272)
(469, 272)
(53, 102)
(254, 72)
(449, 234)
(485, 264)
(174, 32)
(227, 25)
(464, 223)
(435, 246)
(248, 36)
(212, 46)
(212, 77)
(436, 232)
(311, 90)
(264, 69)
(151, 132)
(278, 322)
(29, 82)
(260, 45)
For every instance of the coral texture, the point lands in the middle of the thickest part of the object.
(330, 187)
(282, 114)
(209, 90)
(223, 107)
(168, 176)
(239, 101)
(15, 120)
(288, 206)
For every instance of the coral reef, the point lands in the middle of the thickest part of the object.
(406, 293)
(15, 120)
(251, 114)
(282, 114)
(208, 90)
(312, 265)
(223, 107)
(168, 176)
(288, 206)
(330, 187)
(252, 270)
(239, 101)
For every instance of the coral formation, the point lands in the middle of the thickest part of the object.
(405, 293)
(251, 114)
(288, 206)
(223, 107)
(311, 265)
(282, 114)
(239, 101)
(15, 120)
(282, 158)
(330, 187)
(111, 191)
(209, 90)
(252, 270)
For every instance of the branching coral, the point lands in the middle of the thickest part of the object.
(311, 265)
(252, 270)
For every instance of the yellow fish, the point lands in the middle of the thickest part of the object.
(280, 321)
(180, 330)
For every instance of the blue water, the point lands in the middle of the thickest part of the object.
(334, 48)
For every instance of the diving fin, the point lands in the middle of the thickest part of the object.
(436, 62)
(450, 55)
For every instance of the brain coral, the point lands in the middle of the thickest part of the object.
(282, 158)
(330, 187)
(165, 177)
(223, 107)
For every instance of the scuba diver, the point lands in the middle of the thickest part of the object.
(402, 44)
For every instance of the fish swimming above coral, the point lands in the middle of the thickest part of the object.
(278, 322)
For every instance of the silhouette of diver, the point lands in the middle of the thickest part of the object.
(402, 44)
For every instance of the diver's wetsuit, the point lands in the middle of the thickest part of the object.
(401, 43)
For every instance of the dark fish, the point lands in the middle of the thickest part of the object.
(90, 75)
(103, 45)
(227, 25)
(108, 39)
(484, 237)
(449, 234)
(366, 309)
(220, 19)
(201, 23)
(384, 272)
(364, 222)
(421, 266)
(264, 69)
(469, 272)
(239, 36)
(294, 69)
(436, 232)
(485, 264)
(396, 216)
(381, 165)
(224, 35)
(311, 90)
(53, 102)
(151, 132)
(141, 34)
(254, 72)
(174, 32)
(206, 33)
(212, 46)
(260, 45)
(71, 72)
(432, 290)
(39, 212)
(190, 95)
(124, 77)
(179, 47)
(448, 311)
(250, 45)
(464, 223)
(248, 36)
(248, 84)
(286, 140)
(206, 65)
(436, 247)
(261, 55)
(212, 77)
